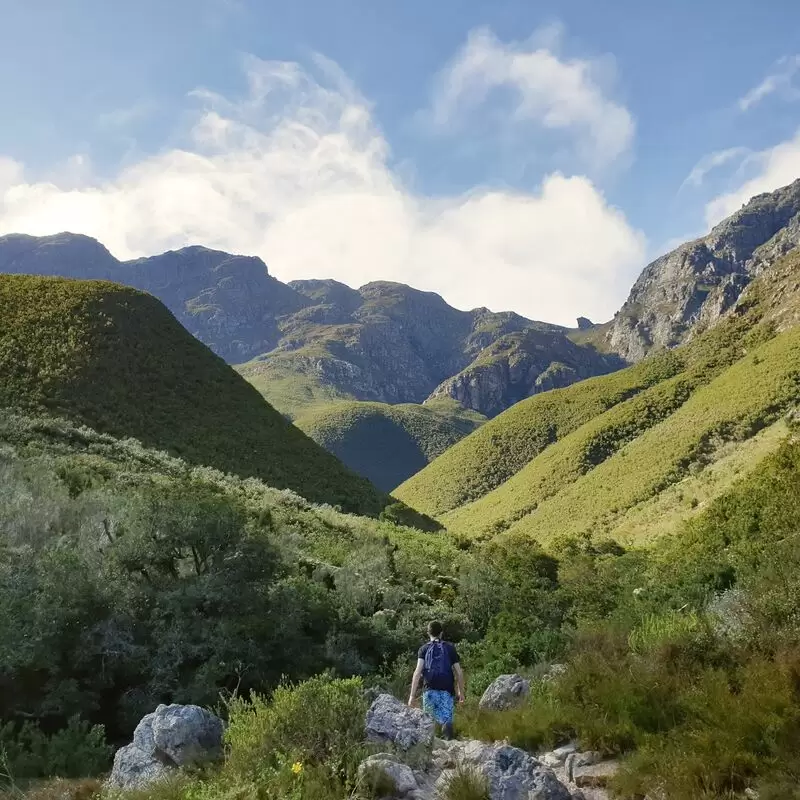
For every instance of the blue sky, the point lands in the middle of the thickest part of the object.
(515, 154)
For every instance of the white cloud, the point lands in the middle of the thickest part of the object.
(778, 81)
(711, 162)
(547, 91)
(777, 166)
(297, 172)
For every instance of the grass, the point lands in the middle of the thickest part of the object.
(499, 449)
(665, 513)
(117, 360)
(512, 467)
(745, 399)
(388, 444)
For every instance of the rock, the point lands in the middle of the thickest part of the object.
(595, 776)
(555, 758)
(187, 734)
(695, 284)
(512, 773)
(400, 776)
(389, 720)
(576, 760)
(585, 324)
(135, 768)
(168, 738)
(506, 691)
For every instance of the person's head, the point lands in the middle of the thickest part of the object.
(435, 629)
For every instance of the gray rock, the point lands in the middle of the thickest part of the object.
(595, 776)
(512, 773)
(576, 760)
(135, 768)
(389, 720)
(695, 284)
(399, 775)
(555, 758)
(187, 734)
(506, 691)
(168, 738)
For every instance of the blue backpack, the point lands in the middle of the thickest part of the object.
(437, 667)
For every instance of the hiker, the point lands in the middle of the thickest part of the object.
(443, 679)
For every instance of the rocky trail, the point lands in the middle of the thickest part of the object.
(413, 764)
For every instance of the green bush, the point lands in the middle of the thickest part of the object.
(319, 721)
(79, 750)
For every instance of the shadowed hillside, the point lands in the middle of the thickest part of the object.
(388, 444)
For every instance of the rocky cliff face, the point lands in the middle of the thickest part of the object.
(386, 341)
(519, 365)
(694, 285)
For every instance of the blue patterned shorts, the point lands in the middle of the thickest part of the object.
(439, 705)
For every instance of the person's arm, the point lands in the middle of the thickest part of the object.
(415, 681)
(459, 673)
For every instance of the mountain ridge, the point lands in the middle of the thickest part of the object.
(384, 342)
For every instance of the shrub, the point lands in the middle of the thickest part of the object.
(320, 721)
(77, 751)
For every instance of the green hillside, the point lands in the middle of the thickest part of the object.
(581, 458)
(288, 388)
(117, 360)
(557, 494)
(387, 444)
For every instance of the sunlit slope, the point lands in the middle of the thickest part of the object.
(745, 398)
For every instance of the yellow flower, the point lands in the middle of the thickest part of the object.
(297, 768)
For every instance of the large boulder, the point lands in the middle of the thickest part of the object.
(512, 774)
(390, 721)
(505, 692)
(171, 737)
(187, 734)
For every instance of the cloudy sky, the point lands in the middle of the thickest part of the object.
(517, 154)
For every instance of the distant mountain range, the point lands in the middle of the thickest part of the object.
(311, 345)
(311, 341)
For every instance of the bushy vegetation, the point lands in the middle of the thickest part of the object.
(388, 444)
(128, 578)
(117, 360)
(685, 656)
(627, 455)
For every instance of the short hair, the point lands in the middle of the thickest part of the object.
(435, 629)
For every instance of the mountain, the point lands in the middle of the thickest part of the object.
(613, 455)
(116, 360)
(388, 444)
(309, 342)
(691, 287)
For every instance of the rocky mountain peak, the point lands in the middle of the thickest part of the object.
(695, 284)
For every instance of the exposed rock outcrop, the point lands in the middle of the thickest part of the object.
(519, 365)
(695, 284)
(171, 737)
(509, 773)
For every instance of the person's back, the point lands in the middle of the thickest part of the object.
(439, 670)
